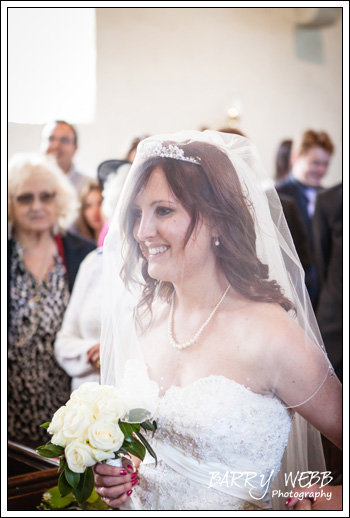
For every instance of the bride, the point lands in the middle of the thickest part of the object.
(222, 345)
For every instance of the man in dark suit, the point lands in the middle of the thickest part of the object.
(310, 158)
(327, 226)
(328, 244)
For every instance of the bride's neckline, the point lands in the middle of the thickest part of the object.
(204, 379)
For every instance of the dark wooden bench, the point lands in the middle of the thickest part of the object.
(29, 476)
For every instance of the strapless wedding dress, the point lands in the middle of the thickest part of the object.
(218, 445)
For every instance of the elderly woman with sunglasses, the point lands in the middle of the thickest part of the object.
(42, 263)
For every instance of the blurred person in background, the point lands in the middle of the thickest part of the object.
(131, 153)
(42, 265)
(112, 175)
(283, 164)
(60, 139)
(104, 172)
(327, 225)
(328, 240)
(310, 157)
(77, 345)
(90, 219)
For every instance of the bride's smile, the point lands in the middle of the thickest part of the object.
(161, 225)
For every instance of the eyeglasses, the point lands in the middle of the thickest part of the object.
(28, 198)
(62, 140)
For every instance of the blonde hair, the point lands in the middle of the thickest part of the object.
(29, 166)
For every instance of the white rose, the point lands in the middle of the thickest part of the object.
(109, 404)
(76, 421)
(56, 424)
(86, 392)
(106, 436)
(60, 439)
(79, 456)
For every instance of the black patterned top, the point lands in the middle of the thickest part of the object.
(37, 386)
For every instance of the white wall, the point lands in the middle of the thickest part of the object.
(167, 69)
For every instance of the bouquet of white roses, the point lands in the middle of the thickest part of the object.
(93, 426)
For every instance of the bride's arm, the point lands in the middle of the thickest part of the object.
(303, 380)
(324, 410)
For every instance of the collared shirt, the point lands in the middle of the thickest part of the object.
(311, 194)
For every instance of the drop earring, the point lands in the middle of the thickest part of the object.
(216, 242)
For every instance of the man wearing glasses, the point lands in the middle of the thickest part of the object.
(59, 138)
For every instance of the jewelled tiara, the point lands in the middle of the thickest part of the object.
(149, 150)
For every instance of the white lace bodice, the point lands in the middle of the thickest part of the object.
(206, 432)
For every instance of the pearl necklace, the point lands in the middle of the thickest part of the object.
(200, 330)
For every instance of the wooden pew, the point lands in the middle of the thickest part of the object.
(29, 476)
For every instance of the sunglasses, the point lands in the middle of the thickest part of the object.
(28, 198)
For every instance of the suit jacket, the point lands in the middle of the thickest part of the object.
(297, 230)
(75, 249)
(291, 187)
(294, 189)
(328, 245)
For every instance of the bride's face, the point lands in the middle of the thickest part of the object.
(160, 228)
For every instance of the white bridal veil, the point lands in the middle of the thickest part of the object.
(274, 248)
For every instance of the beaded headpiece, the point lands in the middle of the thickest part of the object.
(149, 150)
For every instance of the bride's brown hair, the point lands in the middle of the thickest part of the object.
(211, 190)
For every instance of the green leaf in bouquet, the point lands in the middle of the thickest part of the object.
(147, 445)
(50, 450)
(45, 425)
(63, 463)
(64, 487)
(72, 478)
(137, 415)
(135, 448)
(128, 430)
(93, 497)
(85, 486)
(151, 427)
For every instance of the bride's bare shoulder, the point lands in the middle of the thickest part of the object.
(264, 323)
(260, 311)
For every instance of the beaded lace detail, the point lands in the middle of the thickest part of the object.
(213, 419)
